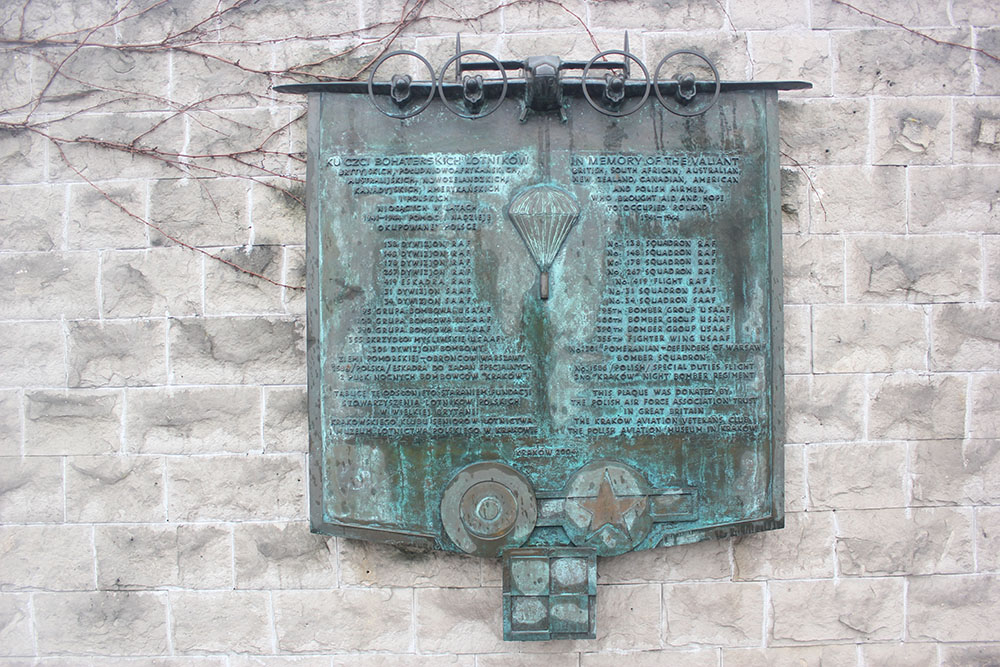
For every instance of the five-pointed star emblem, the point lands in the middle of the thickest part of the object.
(607, 509)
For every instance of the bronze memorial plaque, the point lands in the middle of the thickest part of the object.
(544, 314)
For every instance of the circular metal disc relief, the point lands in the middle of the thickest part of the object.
(488, 507)
(607, 507)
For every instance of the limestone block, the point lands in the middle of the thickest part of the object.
(371, 564)
(899, 63)
(916, 407)
(159, 281)
(228, 488)
(794, 201)
(33, 354)
(858, 200)
(388, 660)
(157, 556)
(116, 353)
(676, 15)
(286, 420)
(819, 131)
(295, 275)
(965, 337)
(953, 608)
(101, 77)
(174, 661)
(985, 421)
(820, 408)
(307, 19)
(467, 620)
(991, 254)
(126, 146)
(232, 292)
(707, 560)
(802, 549)
(159, 20)
(790, 656)
(257, 139)
(857, 475)
(19, 151)
(48, 285)
(912, 269)
(235, 660)
(360, 619)
(38, 224)
(570, 45)
(200, 211)
(886, 542)
(15, 625)
(529, 16)
(858, 339)
(988, 538)
(955, 199)
(636, 610)
(813, 269)
(10, 422)
(798, 340)
(238, 350)
(278, 213)
(72, 421)
(714, 613)
(769, 15)
(795, 487)
(829, 14)
(215, 82)
(95, 218)
(987, 39)
(891, 655)
(193, 420)
(792, 56)
(114, 488)
(527, 660)
(912, 130)
(68, 564)
(826, 610)
(224, 621)
(960, 655)
(976, 132)
(728, 50)
(102, 623)
(973, 12)
(654, 658)
(284, 555)
(15, 79)
(31, 489)
(956, 472)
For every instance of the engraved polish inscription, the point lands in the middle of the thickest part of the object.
(428, 357)
(428, 192)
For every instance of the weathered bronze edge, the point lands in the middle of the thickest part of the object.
(314, 300)
(357, 87)
(394, 537)
(723, 531)
(777, 309)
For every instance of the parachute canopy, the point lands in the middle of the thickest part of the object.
(543, 215)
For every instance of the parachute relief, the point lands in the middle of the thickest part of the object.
(543, 215)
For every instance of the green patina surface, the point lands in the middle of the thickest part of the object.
(658, 349)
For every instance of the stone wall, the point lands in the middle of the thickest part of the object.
(152, 397)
